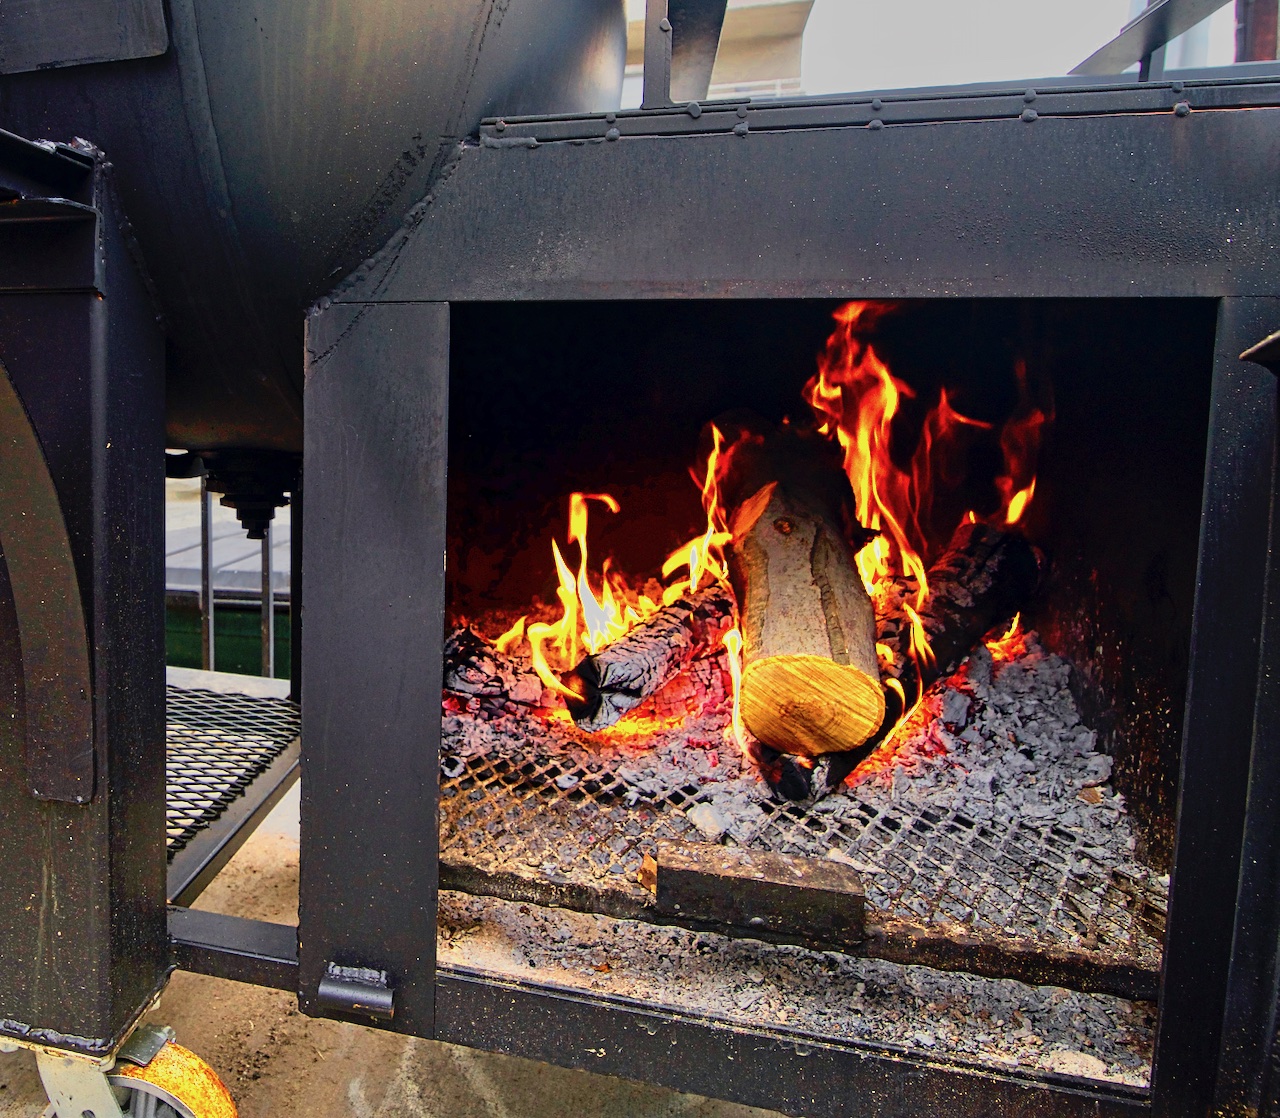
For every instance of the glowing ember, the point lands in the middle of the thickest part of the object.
(1012, 645)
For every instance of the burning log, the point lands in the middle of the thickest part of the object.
(810, 682)
(984, 577)
(623, 674)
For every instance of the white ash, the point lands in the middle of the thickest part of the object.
(804, 994)
(1005, 770)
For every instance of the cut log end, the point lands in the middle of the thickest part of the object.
(810, 705)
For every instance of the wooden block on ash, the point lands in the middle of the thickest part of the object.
(777, 894)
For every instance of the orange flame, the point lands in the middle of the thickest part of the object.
(589, 621)
(856, 399)
(705, 554)
(1020, 440)
(1012, 645)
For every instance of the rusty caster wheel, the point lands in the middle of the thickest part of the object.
(175, 1083)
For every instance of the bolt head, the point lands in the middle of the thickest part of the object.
(1029, 115)
(877, 104)
(1182, 108)
(875, 125)
(612, 134)
(693, 109)
(664, 24)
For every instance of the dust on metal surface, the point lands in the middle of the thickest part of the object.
(216, 745)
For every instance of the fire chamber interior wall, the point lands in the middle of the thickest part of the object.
(549, 398)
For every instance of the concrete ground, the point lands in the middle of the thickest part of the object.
(279, 1064)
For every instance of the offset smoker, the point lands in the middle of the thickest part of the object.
(977, 195)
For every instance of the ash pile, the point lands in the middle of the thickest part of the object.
(987, 816)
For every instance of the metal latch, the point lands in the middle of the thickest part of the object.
(357, 991)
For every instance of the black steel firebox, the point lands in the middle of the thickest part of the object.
(1138, 224)
(1123, 194)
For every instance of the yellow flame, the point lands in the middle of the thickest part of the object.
(733, 645)
(1018, 505)
(511, 638)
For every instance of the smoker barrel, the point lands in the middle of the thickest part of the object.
(278, 143)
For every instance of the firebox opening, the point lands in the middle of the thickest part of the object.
(548, 399)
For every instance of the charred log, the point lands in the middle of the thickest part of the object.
(621, 676)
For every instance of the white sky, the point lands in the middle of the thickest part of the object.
(853, 45)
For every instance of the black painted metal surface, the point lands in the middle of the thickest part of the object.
(283, 142)
(779, 1068)
(40, 34)
(232, 947)
(1222, 692)
(377, 387)
(1247, 1078)
(812, 202)
(56, 719)
(82, 931)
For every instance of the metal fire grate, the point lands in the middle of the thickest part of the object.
(217, 744)
(577, 832)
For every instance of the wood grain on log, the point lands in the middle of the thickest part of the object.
(810, 682)
(984, 577)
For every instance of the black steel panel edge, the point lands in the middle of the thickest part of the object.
(1219, 720)
(198, 863)
(1058, 206)
(779, 1069)
(1246, 1072)
(373, 563)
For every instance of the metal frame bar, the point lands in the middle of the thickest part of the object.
(207, 632)
(234, 948)
(1157, 24)
(1223, 690)
(82, 896)
(268, 606)
(377, 396)
(1253, 990)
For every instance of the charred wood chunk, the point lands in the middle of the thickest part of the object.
(984, 577)
(618, 678)
(474, 668)
(778, 894)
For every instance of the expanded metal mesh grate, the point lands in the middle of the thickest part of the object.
(560, 821)
(217, 744)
